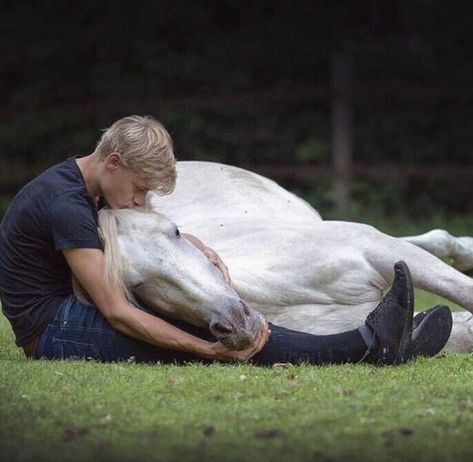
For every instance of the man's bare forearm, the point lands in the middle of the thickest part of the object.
(211, 255)
(88, 266)
(195, 241)
(144, 326)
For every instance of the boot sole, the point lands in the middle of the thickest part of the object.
(404, 343)
(436, 327)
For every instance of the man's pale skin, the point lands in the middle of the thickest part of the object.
(123, 188)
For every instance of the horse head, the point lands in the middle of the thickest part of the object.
(146, 255)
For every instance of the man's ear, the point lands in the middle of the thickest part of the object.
(113, 160)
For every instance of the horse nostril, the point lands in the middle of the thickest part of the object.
(221, 329)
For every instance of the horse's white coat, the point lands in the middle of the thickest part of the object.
(301, 272)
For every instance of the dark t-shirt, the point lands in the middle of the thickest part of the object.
(51, 213)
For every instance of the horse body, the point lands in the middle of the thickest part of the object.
(298, 270)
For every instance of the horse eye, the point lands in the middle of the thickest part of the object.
(177, 232)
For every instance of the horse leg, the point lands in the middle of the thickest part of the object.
(461, 338)
(343, 269)
(428, 272)
(443, 245)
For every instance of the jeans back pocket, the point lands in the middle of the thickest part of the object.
(74, 350)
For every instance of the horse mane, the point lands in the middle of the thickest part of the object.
(114, 268)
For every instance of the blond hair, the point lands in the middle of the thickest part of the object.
(145, 147)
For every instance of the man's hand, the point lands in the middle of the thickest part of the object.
(217, 261)
(211, 255)
(222, 353)
(88, 265)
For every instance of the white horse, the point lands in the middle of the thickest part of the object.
(286, 262)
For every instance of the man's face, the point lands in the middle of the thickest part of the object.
(122, 187)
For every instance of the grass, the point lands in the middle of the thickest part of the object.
(80, 410)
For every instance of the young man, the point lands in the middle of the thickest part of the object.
(50, 232)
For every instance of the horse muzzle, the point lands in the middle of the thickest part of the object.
(239, 327)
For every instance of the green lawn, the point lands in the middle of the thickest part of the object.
(79, 410)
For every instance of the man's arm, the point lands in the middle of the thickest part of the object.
(88, 266)
(211, 255)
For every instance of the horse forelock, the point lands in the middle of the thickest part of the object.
(108, 231)
(127, 219)
(130, 219)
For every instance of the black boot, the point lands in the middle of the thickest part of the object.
(391, 320)
(431, 332)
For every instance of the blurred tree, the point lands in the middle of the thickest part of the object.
(245, 82)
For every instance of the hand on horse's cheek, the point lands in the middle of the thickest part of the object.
(217, 262)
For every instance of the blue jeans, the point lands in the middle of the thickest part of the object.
(80, 331)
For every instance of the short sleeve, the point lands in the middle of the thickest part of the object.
(72, 222)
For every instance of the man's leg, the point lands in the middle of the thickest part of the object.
(384, 338)
(80, 332)
(289, 346)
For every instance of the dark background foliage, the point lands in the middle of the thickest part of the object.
(248, 83)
